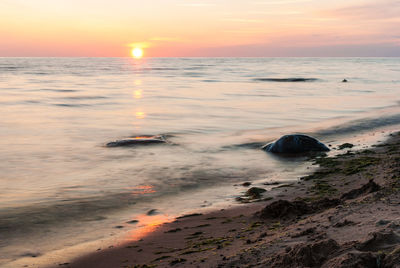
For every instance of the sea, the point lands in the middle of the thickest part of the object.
(63, 191)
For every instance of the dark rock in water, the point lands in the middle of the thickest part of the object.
(298, 79)
(135, 141)
(344, 81)
(255, 192)
(345, 145)
(294, 144)
(272, 183)
(152, 212)
(132, 221)
(246, 184)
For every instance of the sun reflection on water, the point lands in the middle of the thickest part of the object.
(137, 94)
(140, 115)
(142, 189)
(148, 224)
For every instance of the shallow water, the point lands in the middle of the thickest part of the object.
(58, 180)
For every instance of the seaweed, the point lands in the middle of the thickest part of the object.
(357, 165)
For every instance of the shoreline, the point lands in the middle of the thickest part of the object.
(241, 236)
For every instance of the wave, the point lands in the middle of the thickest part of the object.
(361, 125)
(351, 127)
(297, 79)
(58, 90)
(84, 97)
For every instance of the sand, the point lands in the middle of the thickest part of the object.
(346, 214)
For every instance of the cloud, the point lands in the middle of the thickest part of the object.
(387, 9)
(165, 39)
(241, 20)
(196, 5)
(273, 50)
(281, 2)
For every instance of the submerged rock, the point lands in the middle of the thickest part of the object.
(152, 212)
(255, 192)
(296, 79)
(139, 140)
(294, 144)
(345, 145)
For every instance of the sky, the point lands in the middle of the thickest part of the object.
(199, 28)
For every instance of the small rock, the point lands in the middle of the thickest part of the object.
(153, 212)
(255, 192)
(345, 145)
(382, 222)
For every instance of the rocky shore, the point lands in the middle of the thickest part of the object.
(345, 214)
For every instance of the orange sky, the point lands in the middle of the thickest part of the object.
(168, 28)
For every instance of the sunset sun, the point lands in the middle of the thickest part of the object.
(137, 52)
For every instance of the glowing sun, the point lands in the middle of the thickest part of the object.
(137, 52)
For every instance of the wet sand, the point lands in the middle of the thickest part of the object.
(345, 214)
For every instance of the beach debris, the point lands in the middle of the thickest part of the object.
(284, 208)
(393, 258)
(308, 231)
(287, 209)
(345, 145)
(344, 80)
(382, 222)
(344, 223)
(173, 230)
(255, 192)
(307, 254)
(177, 261)
(138, 140)
(132, 221)
(246, 184)
(295, 79)
(381, 240)
(295, 144)
(367, 188)
(355, 259)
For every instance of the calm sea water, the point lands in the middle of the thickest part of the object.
(61, 186)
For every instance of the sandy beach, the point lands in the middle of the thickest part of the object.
(345, 214)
